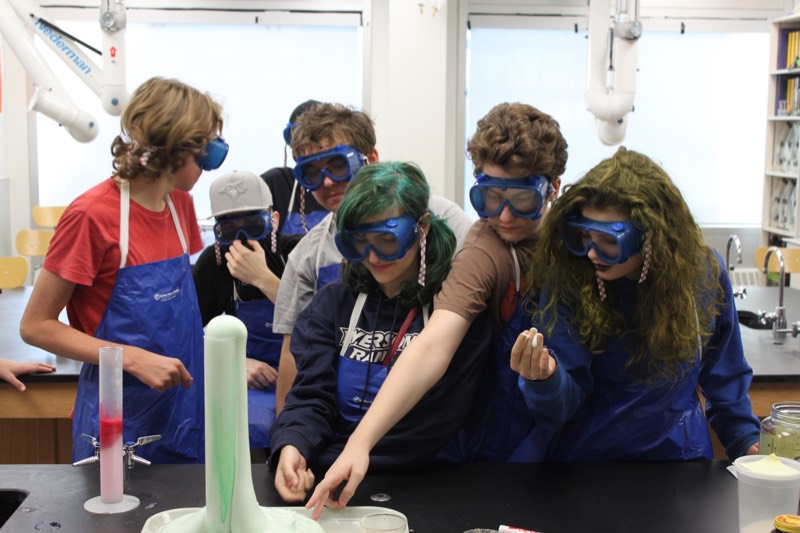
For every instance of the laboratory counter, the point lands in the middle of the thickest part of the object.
(544, 497)
(39, 418)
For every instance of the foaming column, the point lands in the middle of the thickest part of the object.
(231, 504)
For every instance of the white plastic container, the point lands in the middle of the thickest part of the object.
(762, 496)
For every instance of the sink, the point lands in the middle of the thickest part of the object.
(9, 501)
(751, 320)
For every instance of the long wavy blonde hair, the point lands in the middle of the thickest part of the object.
(680, 297)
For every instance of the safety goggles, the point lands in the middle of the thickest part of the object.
(390, 239)
(524, 197)
(214, 154)
(287, 133)
(252, 226)
(340, 163)
(614, 242)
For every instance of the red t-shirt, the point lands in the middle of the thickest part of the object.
(85, 247)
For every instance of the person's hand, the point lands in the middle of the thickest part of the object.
(156, 371)
(293, 478)
(530, 359)
(9, 370)
(259, 374)
(351, 466)
(754, 449)
(246, 265)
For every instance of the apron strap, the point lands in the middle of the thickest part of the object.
(124, 224)
(177, 222)
(291, 200)
(516, 265)
(351, 328)
(124, 215)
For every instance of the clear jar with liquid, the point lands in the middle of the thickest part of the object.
(780, 431)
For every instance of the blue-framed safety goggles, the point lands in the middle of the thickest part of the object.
(231, 228)
(390, 239)
(340, 163)
(287, 133)
(614, 242)
(523, 196)
(214, 154)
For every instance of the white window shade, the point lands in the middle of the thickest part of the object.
(699, 106)
(258, 72)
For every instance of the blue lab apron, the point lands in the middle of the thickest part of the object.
(264, 345)
(357, 381)
(293, 224)
(507, 423)
(153, 306)
(640, 420)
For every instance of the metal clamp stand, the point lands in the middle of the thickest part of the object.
(128, 451)
(129, 457)
(129, 448)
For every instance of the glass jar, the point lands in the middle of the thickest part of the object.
(780, 431)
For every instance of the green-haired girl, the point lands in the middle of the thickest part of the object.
(345, 342)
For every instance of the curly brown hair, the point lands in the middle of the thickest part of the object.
(165, 121)
(682, 293)
(333, 123)
(520, 139)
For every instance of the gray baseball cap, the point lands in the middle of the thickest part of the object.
(239, 191)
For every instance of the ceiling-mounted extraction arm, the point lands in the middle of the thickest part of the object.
(50, 99)
(611, 76)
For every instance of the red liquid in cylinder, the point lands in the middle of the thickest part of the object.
(111, 460)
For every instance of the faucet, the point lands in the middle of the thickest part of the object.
(778, 318)
(734, 239)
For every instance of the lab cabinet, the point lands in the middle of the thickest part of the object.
(782, 168)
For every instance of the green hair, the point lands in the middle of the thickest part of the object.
(681, 295)
(383, 187)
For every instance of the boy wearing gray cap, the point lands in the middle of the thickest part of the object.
(239, 275)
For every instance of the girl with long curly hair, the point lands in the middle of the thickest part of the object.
(638, 315)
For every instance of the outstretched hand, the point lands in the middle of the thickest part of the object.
(530, 359)
(351, 466)
(9, 370)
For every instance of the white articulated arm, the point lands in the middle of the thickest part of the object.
(50, 99)
(611, 76)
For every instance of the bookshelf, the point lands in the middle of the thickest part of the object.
(782, 169)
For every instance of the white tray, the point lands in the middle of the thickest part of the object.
(345, 520)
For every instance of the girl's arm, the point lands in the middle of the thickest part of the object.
(40, 327)
(725, 379)
(307, 420)
(423, 363)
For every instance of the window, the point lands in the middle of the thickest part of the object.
(699, 109)
(259, 73)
